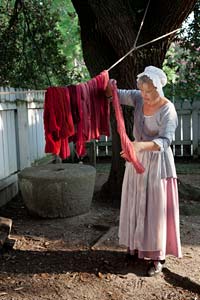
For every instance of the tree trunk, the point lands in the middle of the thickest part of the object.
(108, 32)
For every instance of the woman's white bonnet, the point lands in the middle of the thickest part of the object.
(157, 76)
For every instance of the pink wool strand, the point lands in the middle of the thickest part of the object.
(127, 145)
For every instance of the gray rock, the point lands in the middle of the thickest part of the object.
(57, 190)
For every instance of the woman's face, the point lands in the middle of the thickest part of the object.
(149, 92)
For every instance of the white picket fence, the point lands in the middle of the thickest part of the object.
(187, 137)
(22, 135)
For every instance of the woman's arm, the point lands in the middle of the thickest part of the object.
(169, 123)
(168, 126)
(143, 146)
(126, 97)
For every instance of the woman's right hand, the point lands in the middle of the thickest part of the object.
(108, 91)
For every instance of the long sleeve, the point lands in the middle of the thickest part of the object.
(169, 123)
(128, 97)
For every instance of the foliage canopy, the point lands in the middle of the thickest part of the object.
(39, 44)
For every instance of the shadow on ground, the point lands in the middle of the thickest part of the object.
(180, 281)
(57, 262)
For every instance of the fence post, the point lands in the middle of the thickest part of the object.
(186, 127)
(22, 133)
(195, 127)
(177, 142)
(93, 153)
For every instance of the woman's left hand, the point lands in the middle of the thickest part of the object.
(138, 146)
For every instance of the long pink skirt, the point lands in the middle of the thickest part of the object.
(149, 214)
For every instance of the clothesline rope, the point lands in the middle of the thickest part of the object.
(117, 62)
(141, 46)
(141, 24)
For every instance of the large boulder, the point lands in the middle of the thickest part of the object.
(57, 190)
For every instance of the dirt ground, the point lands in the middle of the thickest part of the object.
(79, 257)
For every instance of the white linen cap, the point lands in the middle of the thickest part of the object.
(157, 76)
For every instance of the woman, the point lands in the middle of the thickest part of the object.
(149, 213)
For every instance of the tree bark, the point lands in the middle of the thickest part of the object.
(108, 32)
